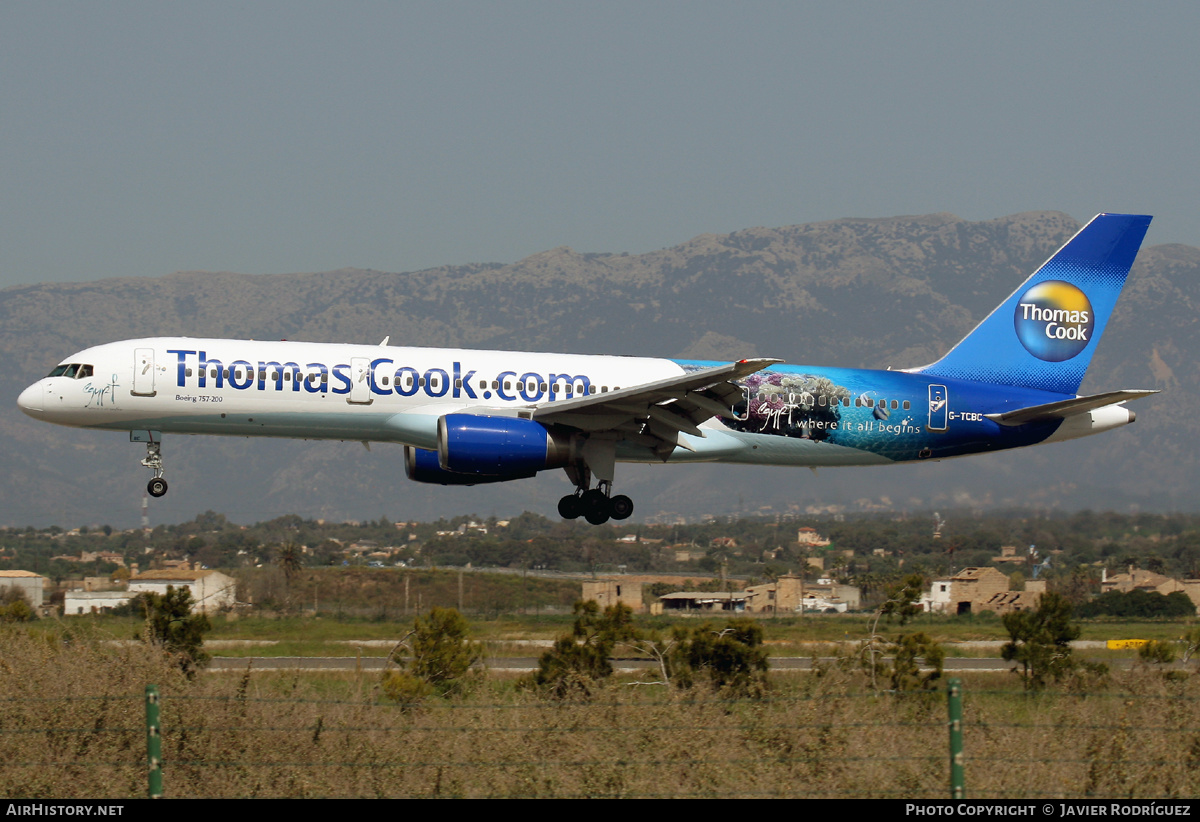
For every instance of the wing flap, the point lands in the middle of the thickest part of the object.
(655, 414)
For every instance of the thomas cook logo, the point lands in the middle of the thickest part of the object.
(1054, 321)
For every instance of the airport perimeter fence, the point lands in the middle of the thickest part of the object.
(621, 742)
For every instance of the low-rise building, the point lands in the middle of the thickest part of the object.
(211, 590)
(607, 593)
(704, 601)
(810, 536)
(76, 603)
(1009, 601)
(791, 594)
(1150, 582)
(826, 595)
(969, 591)
(783, 596)
(29, 583)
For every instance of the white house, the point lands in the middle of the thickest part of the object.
(211, 590)
(28, 582)
(87, 602)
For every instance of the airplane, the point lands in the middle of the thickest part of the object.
(468, 417)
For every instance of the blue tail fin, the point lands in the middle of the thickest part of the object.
(1044, 335)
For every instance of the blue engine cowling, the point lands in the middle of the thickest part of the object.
(504, 447)
(421, 465)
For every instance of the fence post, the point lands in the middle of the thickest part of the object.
(957, 787)
(154, 788)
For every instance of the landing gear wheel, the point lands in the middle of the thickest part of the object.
(595, 506)
(569, 507)
(157, 486)
(620, 507)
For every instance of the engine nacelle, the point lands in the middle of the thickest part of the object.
(421, 465)
(498, 446)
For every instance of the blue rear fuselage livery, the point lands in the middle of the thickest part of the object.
(466, 417)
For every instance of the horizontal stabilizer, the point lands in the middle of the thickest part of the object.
(1066, 408)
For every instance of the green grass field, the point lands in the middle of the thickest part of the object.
(523, 636)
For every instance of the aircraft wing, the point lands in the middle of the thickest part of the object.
(1066, 408)
(654, 414)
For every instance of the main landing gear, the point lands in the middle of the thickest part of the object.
(595, 505)
(157, 486)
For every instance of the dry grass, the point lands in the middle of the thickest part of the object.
(71, 726)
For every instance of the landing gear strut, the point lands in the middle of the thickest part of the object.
(157, 486)
(595, 505)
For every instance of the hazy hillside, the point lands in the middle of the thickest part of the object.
(850, 292)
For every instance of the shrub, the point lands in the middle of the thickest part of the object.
(1040, 641)
(731, 659)
(1141, 604)
(15, 607)
(440, 658)
(578, 661)
(1157, 653)
(171, 625)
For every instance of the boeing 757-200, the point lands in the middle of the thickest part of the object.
(467, 417)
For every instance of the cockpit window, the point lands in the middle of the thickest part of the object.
(73, 370)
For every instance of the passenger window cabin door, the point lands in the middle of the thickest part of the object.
(360, 385)
(143, 373)
(939, 410)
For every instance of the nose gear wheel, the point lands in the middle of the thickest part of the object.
(154, 461)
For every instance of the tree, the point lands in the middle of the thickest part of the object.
(14, 606)
(440, 658)
(908, 652)
(1040, 641)
(441, 653)
(1139, 604)
(578, 661)
(1156, 653)
(732, 659)
(1191, 643)
(907, 649)
(171, 625)
(290, 558)
(903, 598)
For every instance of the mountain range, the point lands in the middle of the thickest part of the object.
(894, 292)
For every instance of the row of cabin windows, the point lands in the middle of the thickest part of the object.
(532, 387)
(73, 370)
(421, 381)
(224, 373)
(859, 402)
(870, 403)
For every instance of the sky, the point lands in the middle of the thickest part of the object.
(143, 138)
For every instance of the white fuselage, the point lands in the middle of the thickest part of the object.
(302, 390)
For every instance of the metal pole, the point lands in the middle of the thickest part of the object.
(958, 788)
(154, 787)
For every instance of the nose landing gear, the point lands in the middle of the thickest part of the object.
(157, 486)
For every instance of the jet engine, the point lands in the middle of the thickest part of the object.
(421, 465)
(506, 447)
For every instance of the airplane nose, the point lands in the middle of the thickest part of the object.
(30, 400)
